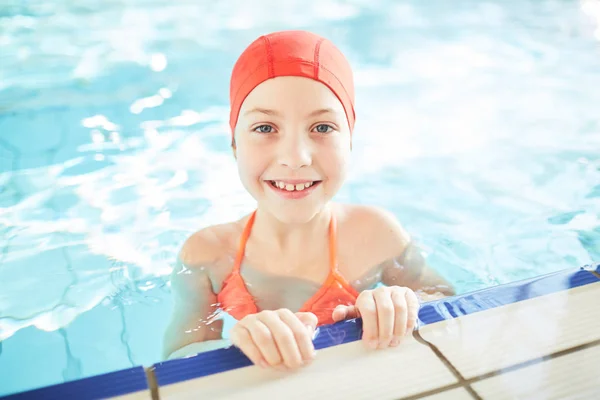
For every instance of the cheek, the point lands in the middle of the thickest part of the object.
(336, 164)
(250, 165)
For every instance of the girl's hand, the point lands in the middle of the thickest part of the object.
(388, 313)
(279, 339)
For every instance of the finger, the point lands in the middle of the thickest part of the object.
(413, 307)
(343, 312)
(283, 338)
(401, 313)
(240, 337)
(385, 315)
(263, 338)
(308, 319)
(302, 335)
(365, 303)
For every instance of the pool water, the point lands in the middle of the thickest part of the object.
(478, 126)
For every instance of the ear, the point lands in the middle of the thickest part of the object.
(234, 149)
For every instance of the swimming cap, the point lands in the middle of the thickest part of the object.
(291, 53)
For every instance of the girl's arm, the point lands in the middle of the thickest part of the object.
(193, 326)
(403, 264)
(410, 269)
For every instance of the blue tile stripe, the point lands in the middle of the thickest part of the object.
(497, 296)
(116, 383)
(173, 371)
(222, 360)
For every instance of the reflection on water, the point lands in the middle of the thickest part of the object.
(477, 125)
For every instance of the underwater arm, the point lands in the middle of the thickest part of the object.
(193, 327)
(411, 270)
(405, 265)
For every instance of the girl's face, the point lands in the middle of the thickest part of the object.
(292, 145)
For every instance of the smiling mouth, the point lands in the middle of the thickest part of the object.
(298, 187)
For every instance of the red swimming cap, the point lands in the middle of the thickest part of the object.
(291, 53)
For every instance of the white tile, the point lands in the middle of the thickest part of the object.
(493, 339)
(572, 376)
(453, 394)
(142, 395)
(347, 371)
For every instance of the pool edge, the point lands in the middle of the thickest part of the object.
(150, 379)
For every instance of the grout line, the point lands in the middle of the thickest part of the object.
(152, 383)
(461, 380)
(596, 274)
(465, 383)
(534, 361)
(124, 336)
(72, 370)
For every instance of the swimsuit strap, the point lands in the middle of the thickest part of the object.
(242, 246)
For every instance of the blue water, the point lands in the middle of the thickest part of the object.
(478, 126)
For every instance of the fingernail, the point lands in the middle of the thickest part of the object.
(373, 344)
(395, 342)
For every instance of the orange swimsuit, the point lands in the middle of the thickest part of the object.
(235, 299)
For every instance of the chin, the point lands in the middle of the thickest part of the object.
(294, 214)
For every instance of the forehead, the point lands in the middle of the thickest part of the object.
(290, 91)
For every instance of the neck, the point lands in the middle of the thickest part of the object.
(291, 237)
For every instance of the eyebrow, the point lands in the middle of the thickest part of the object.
(262, 111)
(269, 111)
(321, 112)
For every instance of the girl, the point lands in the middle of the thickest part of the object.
(298, 261)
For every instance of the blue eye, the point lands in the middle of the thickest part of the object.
(323, 128)
(264, 129)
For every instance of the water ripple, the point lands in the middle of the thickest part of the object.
(477, 125)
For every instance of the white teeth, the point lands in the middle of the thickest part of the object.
(290, 187)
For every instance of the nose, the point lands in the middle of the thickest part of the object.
(295, 151)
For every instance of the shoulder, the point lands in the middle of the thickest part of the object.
(374, 220)
(209, 245)
(375, 227)
(204, 247)
(210, 250)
